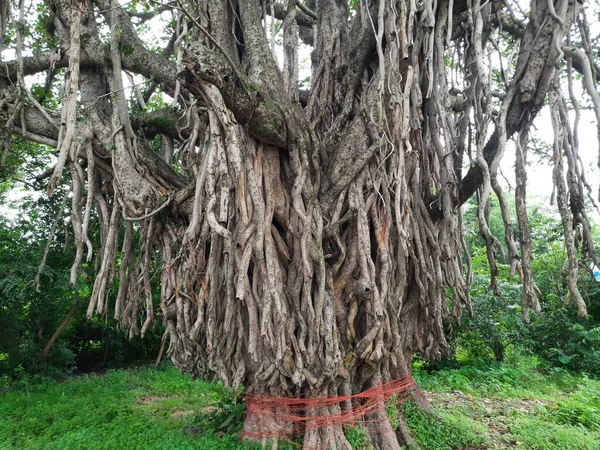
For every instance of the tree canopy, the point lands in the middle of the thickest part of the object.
(308, 233)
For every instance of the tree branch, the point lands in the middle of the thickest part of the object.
(303, 18)
(517, 29)
(164, 121)
(305, 10)
(250, 106)
(146, 16)
(33, 65)
(138, 58)
(60, 329)
(305, 22)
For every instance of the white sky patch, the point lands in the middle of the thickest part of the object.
(539, 172)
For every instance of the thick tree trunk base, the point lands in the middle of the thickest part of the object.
(330, 436)
(324, 434)
(381, 433)
(266, 430)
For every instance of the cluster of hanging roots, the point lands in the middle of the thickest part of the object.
(314, 261)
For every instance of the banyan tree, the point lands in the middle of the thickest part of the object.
(291, 172)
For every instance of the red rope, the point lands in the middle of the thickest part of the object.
(293, 416)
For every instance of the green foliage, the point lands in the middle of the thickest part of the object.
(562, 413)
(163, 409)
(522, 379)
(537, 434)
(557, 336)
(125, 409)
(581, 408)
(357, 437)
(226, 416)
(442, 431)
(29, 317)
(563, 339)
(496, 321)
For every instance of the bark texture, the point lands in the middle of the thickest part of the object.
(308, 242)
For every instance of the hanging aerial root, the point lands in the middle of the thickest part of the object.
(529, 297)
(562, 146)
(59, 215)
(66, 139)
(513, 254)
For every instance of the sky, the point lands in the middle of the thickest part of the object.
(539, 181)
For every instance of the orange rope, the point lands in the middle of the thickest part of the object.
(298, 414)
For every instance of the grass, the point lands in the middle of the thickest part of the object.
(497, 406)
(501, 380)
(444, 430)
(125, 409)
(520, 406)
(537, 433)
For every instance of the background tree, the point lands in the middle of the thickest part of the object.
(558, 338)
(35, 300)
(308, 241)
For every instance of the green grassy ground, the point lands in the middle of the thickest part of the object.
(520, 407)
(489, 407)
(124, 409)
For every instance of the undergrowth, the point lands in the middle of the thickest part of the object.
(124, 409)
(443, 430)
(162, 409)
(566, 415)
(500, 380)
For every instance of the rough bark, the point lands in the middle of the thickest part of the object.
(59, 330)
(308, 248)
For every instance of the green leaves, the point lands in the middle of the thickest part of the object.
(561, 356)
(557, 335)
(226, 417)
(133, 409)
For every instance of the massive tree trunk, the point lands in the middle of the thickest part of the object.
(307, 242)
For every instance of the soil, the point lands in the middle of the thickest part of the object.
(495, 413)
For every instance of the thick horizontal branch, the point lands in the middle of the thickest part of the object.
(306, 10)
(506, 23)
(164, 121)
(37, 128)
(305, 22)
(31, 66)
(146, 16)
(134, 54)
(303, 19)
(31, 137)
(250, 106)
(136, 59)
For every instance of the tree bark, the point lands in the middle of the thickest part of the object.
(305, 248)
(59, 330)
